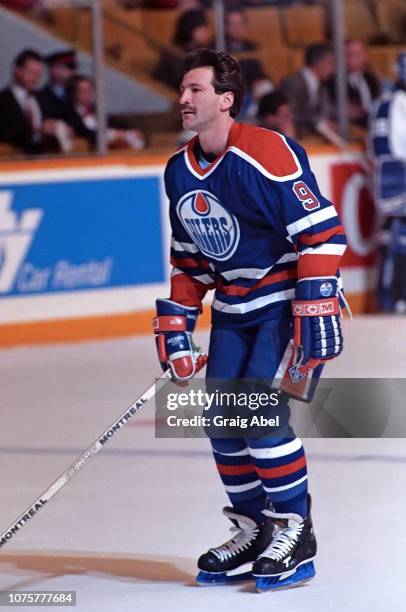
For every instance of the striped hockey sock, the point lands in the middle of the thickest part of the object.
(281, 466)
(239, 477)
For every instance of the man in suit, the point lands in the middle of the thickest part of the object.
(52, 98)
(21, 120)
(363, 86)
(83, 117)
(305, 92)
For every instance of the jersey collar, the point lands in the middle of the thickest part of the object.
(192, 162)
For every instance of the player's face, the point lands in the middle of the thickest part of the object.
(200, 105)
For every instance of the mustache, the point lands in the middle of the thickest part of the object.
(187, 107)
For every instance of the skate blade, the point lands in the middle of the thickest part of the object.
(303, 574)
(222, 578)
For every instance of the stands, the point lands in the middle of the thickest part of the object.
(135, 37)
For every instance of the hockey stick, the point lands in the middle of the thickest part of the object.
(80, 462)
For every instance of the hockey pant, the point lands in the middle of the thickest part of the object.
(257, 469)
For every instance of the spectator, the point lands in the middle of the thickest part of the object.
(192, 31)
(363, 86)
(21, 121)
(274, 113)
(236, 31)
(83, 119)
(305, 92)
(52, 98)
(257, 82)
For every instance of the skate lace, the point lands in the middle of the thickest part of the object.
(283, 542)
(239, 542)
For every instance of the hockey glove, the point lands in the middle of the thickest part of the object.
(173, 329)
(316, 311)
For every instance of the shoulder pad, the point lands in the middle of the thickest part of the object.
(268, 151)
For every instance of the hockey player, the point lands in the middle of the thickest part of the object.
(248, 220)
(388, 148)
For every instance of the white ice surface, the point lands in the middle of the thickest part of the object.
(126, 532)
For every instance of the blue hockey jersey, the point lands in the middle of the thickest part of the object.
(248, 225)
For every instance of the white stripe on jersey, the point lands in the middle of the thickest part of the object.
(274, 452)
(257, 273)
(325, 249)
(175, 272)
(310, 220)
(206, 279)
(188, 247)
(243, 307)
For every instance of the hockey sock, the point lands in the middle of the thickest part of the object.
(281, 465)
(239, 477)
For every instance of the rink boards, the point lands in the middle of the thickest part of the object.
(84, 243)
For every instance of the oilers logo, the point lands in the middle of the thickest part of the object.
(212, 228)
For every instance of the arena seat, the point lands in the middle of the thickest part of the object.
(383, 59)
(392, 17)
(359, 20)
(265, 26)
(303, 25)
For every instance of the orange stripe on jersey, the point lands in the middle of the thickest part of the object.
(338, 230)
(189, 262)
(187, 291)
(318, 265)
(277, 277)
(283, 470)
(235, 470)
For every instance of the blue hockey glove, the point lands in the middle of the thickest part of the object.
(173, 328)
(316, 311)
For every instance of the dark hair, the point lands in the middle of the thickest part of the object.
(25, 55)
(227, 73)
(187, 22)
(271, 103)
(316, 52)
(73, 82)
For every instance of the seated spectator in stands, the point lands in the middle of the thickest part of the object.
(304, 89)
(257, 82)
(257, 85)
(21, 120)
(363, 86)
(192, 31)
(83, 119)
(52, 98)
(236, 31)
(274, 113)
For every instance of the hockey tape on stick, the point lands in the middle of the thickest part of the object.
(80, 462)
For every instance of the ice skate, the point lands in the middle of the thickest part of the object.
(232, 561)
(288, 560)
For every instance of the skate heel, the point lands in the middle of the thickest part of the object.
(299, 576)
